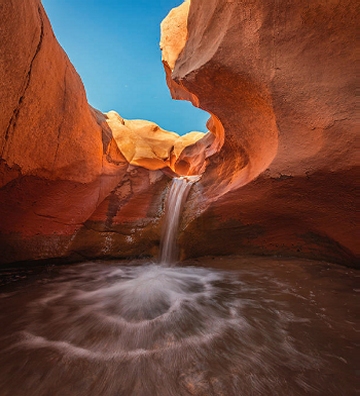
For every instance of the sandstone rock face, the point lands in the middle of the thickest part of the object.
(39, 85)
(278, 161)
(280, 79)
(67, 171)
(59, 160)
(56, 161)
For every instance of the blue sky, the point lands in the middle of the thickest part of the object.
(114, 45)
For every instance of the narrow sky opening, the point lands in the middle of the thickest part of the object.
(114, 46)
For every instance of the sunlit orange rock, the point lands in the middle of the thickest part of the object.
(39, 86)
(280, 79)
(143, 143)
(174, 33)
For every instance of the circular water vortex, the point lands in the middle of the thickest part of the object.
(99, 329)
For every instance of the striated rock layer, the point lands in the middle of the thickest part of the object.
(280, 82)
(279, 161)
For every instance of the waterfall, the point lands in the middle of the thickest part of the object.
(176, 199)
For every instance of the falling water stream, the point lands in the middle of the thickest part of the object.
(231, 326)
(178, 193)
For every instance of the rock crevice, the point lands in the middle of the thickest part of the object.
(12, 122)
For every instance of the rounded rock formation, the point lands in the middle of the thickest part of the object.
(280, 80)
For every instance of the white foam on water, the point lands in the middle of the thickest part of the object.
(175, 201)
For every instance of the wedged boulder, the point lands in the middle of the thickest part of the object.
(144, 143)
(280, 79)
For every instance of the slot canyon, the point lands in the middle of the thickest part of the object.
(266, 243)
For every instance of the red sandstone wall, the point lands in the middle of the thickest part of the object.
(280, 77)
(58, 159)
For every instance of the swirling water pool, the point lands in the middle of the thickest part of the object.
(226, 326)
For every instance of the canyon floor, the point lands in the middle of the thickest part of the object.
(211, 326)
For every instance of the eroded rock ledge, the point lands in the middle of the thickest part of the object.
(278, 82)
